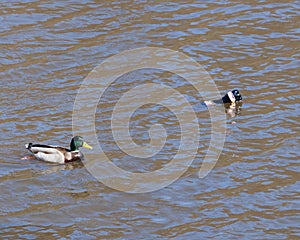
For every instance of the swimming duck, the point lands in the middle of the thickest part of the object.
(57, 154)
(231, 97)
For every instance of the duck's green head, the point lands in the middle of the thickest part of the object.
(78, 142)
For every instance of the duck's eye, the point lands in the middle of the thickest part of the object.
(236, 93)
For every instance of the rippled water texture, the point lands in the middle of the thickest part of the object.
(48, 48)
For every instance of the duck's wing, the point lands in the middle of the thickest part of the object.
(48, 153)
(34, 148)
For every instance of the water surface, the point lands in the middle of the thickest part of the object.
(47, 49)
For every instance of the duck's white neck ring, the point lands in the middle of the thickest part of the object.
(231, 96)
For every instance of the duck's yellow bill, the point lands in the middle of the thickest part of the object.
(85, 145)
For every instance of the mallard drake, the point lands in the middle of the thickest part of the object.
(231, 97)
(56, 154)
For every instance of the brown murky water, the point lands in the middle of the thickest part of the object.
(47, 49)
